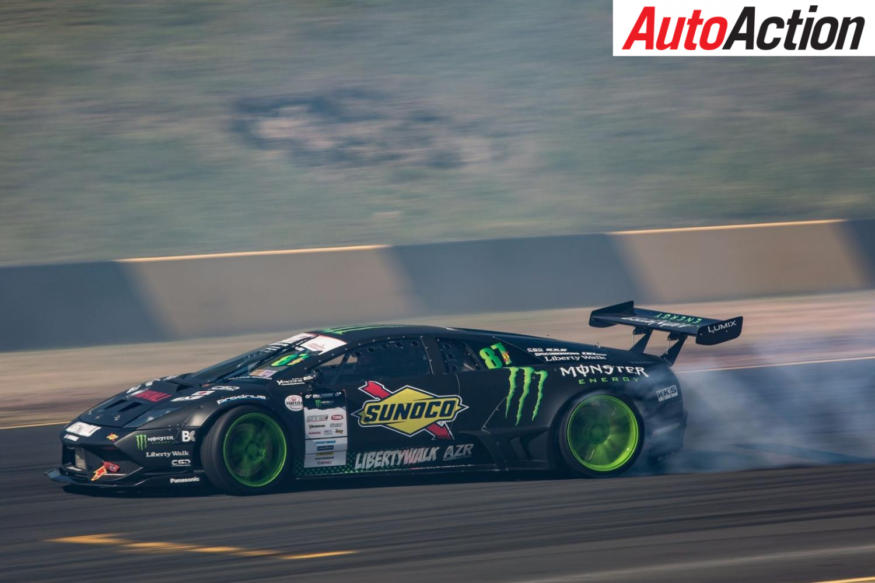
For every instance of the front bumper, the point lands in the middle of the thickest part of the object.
(69, 477)
(106, 457)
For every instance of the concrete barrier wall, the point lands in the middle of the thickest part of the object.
(157, 299)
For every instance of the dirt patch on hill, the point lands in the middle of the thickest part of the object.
(359, 127)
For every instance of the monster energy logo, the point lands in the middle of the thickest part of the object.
(528, 373)
(141, 441)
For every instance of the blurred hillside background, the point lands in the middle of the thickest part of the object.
(137, 128)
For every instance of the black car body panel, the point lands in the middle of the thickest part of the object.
(370, 399)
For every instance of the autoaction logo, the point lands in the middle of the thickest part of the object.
(525, 387)
(743, 28)
(409, 410)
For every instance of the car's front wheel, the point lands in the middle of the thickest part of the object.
(600, 435)
(245, 452)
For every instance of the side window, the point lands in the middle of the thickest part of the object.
(403, 357)
(457, 356)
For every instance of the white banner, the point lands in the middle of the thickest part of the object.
(744, 28)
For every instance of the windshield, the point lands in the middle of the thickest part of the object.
(268, 360)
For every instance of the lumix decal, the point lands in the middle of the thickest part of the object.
(409, 410)
(722, 326)
(524, 386)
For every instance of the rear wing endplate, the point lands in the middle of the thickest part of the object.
(707, 331)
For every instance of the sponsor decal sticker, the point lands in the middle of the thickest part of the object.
(458, 452)
(141, 440)
(180, 463)
(667, 393)
(737, 28)
(106, 468)
(224, 388)
(82, 429)
(71, 437)
(323, 344)
(679, 318)
(722, 326)
(409, 410)
(318, 409)
(395, 458)
(376, 460)
(188, 435)
(325, 452)
(112, 437)
(150, 395)
(194, 396)
(240, 397)
(654, 322)
(295, 381)
(565, 355)
(263, 373)
(190, 480)
(606, 370)
(294, 403)
(512, 383)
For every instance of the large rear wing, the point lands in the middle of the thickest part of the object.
(707, 331)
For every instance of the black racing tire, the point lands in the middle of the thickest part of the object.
(600, 435)
(246, 452)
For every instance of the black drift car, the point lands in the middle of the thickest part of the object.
(364, 399)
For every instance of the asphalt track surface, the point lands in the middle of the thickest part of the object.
(807, 514)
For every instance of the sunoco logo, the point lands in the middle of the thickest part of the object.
(742, 28)
(409, 410)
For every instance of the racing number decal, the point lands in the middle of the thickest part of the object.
(491, 359)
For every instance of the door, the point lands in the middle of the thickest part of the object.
(401, 414)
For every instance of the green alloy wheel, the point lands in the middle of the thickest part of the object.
(245, 452)
(254, 450)
(601, 435)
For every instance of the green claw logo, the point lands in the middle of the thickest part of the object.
(141, 441)
(528, 373)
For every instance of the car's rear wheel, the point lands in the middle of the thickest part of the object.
(245, 452)
(600, 435)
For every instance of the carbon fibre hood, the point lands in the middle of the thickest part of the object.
(123, 408)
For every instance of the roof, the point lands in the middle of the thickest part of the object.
(358, 333)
